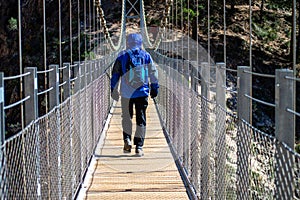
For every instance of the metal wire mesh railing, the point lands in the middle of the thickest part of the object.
(220, 155)
(48, 159)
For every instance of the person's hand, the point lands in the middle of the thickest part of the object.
(115, 95)
(153, 93)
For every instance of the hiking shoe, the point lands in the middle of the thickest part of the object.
(139, 152)
(127, 146)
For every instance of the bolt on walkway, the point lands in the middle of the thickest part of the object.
(117, 175)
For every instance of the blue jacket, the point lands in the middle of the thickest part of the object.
(119, 69)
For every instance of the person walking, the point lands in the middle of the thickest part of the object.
(134, 67)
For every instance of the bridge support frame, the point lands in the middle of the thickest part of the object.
(243, 133)
(31, 84)
(2, 135)
(53, 82)
(66, 80)
(285, 133)
(205, 133)
(221, 131)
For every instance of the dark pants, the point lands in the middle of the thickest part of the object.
(140, 105)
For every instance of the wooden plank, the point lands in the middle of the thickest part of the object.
(125, 176)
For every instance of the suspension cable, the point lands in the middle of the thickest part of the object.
(294, 54)
(294, 37)
(84, 27)
(90, 28)
(224, 21)
(71, 36)
(59, 32)
(250, 55)
(197, 36)
(188, 29)
(100, 13)
(45, 53)
(208, 33)
(78, 29)
(181, 24)
(20, 60)
(162, 26)
(250, 34)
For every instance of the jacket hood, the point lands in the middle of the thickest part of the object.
(134, 40)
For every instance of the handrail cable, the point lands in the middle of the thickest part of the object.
(260, 74)
(63, 67)
(16, 103)
(293, 112)
(45, 91)
(228, 69)
(292, 78)
(45, 71)
(17, 76)
(260, 101)
(73, 79)
(231, 91)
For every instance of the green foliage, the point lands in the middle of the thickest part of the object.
(280, 4)
(265, 32)
(154, 21)
(89, 55)
(189, 14)
(12, 24)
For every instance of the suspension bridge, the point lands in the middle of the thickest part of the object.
(70, 144)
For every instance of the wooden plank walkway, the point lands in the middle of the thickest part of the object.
(117, 175)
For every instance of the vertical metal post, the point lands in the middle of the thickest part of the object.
(186, 115)
(91, 70)
(221, 84)
(2, 115)
(205, 74)
(285, 133)
(76, 77)
(284, 98)
(244, 88)
(87, 72)
(83, 77)
(100, 68)
(54, 83)
(94, 70)
(221, 131)
(194, 75)
(181, 118)
(205, 135)
(243, 141)
(2, 136)
(31, 89)
(66, 81)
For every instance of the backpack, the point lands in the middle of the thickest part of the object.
(136, 70)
